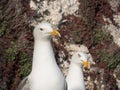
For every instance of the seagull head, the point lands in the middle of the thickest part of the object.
(44, 30)
(81, 58)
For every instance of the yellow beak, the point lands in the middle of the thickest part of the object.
(86, 64)
(55, 33)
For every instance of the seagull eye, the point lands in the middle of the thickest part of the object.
(41, 29)
(79, 55)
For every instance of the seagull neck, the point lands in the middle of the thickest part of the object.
(75, 76)
(43, 53)
(76, 66)
(75, 70)
(39, 44)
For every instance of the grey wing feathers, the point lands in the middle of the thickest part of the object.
(66, 87)
(24, 84)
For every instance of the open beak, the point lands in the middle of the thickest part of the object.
(55, 33)
(86, 64)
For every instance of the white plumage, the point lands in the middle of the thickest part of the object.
(45, 74)
(75, 78)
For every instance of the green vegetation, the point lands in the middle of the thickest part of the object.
(3, 27)
(99, 36)
(3, 24)
(77, 33)
(25, 61)
(11, 52)
(111, 60)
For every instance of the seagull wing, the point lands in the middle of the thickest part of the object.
(24, 84)
(66, 86)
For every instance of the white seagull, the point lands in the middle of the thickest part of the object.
(75, 78)
(45, 74)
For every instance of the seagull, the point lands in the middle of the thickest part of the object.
(45, 74)
(75, 78)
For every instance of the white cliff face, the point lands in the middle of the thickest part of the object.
(53, 10)
(114, 4)
(113, 30)
(117, 75)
